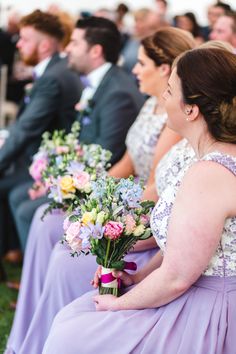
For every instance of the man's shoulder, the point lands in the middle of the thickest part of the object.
(58, 66)
(119, 80)
(59, 71)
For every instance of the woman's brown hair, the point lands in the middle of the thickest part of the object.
(166, 44)
(208, 79)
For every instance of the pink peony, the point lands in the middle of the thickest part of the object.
(129, 224)
(81, 179)
(37, 168)
(113, 230)
(75, 243)
(73, 229)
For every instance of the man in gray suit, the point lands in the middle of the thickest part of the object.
(109, 104)
(49, 105)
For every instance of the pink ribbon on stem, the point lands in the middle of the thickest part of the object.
(108, 278)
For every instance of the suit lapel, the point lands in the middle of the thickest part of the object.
(55, 58)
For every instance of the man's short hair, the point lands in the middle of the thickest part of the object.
(45, 23)
(99, 30)
(224, 6)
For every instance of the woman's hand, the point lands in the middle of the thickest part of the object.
(105, 302)
(126, 278)
(97, 276)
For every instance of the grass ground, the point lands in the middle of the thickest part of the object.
(6, 296)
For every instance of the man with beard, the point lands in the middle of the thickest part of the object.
(48, 105)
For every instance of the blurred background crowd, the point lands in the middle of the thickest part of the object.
(135, 21)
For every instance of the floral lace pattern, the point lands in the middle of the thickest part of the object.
(143, 136)
(180, 155)
(223, 263)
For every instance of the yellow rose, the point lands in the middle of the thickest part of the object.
(139, 230)
(89, 217)
(67, 185)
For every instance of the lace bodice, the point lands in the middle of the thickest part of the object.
(143, 136)
(223, 263)
(180, 155)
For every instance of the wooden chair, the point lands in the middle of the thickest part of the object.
(8, 110)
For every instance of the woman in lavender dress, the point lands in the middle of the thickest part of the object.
(57, 278)
(184, 301)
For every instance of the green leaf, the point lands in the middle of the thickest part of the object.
(119, 265)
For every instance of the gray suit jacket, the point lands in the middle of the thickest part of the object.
(114, 107)
(49, 106)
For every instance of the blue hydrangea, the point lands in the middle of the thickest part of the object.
(129, 192)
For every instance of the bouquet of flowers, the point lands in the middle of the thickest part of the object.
(64, 168)
(108, 224)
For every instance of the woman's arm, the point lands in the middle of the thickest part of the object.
(123, 168)
(205, 199)
(144, 245)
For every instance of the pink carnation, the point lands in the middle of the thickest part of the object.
(37, 168)
(62, 149)
(81, 179)
(113, 230)
(129, 224)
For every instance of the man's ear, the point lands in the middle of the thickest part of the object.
(96, 51)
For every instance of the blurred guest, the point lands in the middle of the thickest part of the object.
(189, 23)
(146, 22)
(213, 13)
(48, 106)
(161, 7)
(224, 29)
(121, 10)
(67, 21)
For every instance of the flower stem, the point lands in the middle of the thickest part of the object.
(107, 253)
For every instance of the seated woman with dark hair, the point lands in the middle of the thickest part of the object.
(185, 302)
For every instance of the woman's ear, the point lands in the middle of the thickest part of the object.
(165, 70)
(191, 111)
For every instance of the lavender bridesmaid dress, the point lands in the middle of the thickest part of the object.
(54, 288)
(200, 321)
(36, 260)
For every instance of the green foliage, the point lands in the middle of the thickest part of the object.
(6, 296)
